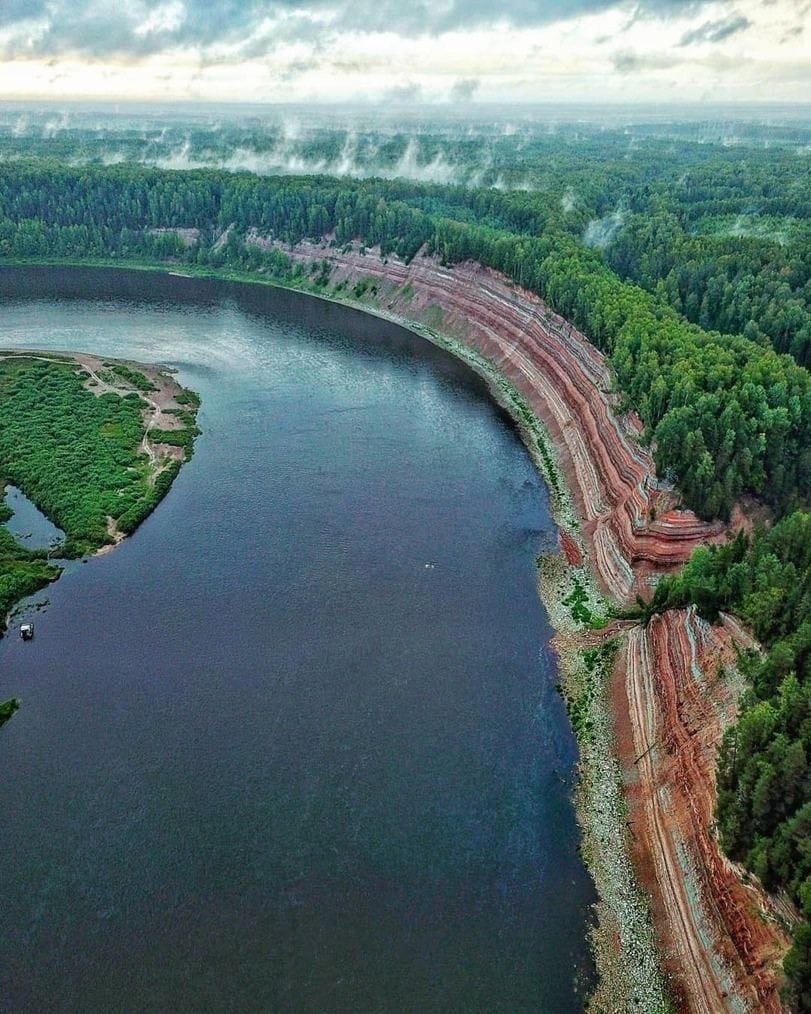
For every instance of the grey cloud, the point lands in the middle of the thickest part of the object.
(426, 16)
(716, 31)
(96, 29)
(645, 10)
(464, 89)
(668, 8)
(715, 61)
(296, 68)
(792, 33)
(629, 62)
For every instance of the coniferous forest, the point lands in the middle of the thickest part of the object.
(702, 307)
(729, 415)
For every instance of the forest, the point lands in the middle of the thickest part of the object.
(74, 454)
(711, 217)
(727, 414)
(735, 277)
(702, 311)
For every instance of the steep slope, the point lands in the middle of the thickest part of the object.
(720, 940)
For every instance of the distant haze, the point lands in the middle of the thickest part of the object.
(424, 52)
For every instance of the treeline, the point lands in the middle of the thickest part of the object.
(764, 774)
(726, 415)
(716, 228)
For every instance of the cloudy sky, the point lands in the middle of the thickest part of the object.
(407, 50)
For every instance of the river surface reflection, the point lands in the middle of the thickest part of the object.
(295, 745)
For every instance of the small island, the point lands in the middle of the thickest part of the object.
(95, 445)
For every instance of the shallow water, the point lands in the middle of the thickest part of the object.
(28, 524)
(295, 745)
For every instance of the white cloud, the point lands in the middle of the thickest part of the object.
(161, 20)
(329, 50)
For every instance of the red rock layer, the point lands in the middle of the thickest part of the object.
(670, 705)
(567, 383)
(670, 675)
(570, 549)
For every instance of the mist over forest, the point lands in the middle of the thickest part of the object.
(677, 239)
(467, 144)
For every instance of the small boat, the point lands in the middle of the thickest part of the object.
(27, 631)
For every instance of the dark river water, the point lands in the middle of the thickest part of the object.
(296, 744)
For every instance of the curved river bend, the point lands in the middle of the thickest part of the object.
(295, 745)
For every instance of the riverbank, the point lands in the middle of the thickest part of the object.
(620, 527)
(677, 924)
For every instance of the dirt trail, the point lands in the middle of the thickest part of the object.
(720, 940)
(158, 401)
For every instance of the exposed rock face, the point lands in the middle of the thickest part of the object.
(718, 938)
(676, 679)
(629, 522)
(188, 237)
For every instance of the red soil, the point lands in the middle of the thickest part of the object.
(719, 942)
(570, 549)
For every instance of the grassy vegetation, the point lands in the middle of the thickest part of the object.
(134, 378)
(433, 316)
(175, 438)
(578, 605)
(76, 455)
(597, 664)
(190, 398)
(73, 453)
(361, 288)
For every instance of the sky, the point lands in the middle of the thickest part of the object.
(407, 51)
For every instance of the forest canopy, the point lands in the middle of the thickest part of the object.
(702, 312)
(727, 414)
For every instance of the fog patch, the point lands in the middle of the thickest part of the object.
(358, 157)
(754, 227)
(180, 158)
(55, 126)
(569, 200)
(601, 232)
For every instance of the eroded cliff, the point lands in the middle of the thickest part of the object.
(674, 686)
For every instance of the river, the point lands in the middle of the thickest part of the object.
(296, 744)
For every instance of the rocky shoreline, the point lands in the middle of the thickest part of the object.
(677, 927)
